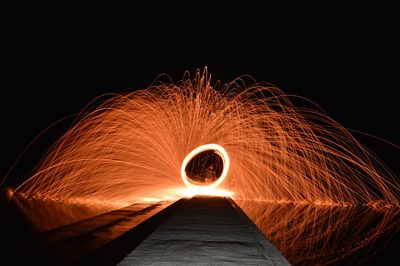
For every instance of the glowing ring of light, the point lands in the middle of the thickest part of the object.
(218, 150)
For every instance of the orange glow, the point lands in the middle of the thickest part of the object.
(135, 146)
(190, 192)
(207, 189)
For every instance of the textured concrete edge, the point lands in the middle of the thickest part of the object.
(116, 250)
(270, 252)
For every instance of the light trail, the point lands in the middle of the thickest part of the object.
(206, 189)
(131, 147)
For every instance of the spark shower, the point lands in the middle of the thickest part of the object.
(137, 145)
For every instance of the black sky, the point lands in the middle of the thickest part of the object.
(350, 69)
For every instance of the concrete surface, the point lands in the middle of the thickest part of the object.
(206, 231)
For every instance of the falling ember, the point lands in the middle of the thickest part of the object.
(207, 166)
(145, 143)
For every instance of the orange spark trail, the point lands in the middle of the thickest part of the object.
(309, 234)
(205, 188)
(132, 147)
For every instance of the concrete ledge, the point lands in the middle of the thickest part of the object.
(206, 231)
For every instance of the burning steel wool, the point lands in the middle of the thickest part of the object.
(190, 137)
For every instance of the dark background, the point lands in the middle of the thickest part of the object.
(55, 61)
(55, 64)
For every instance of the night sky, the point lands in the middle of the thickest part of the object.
(349, 69)
(55, 61)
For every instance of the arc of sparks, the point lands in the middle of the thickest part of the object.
(136, 145)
